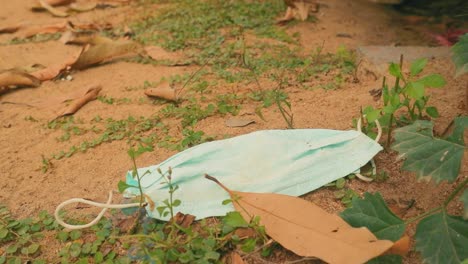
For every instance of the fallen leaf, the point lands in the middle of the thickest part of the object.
(238, 122)
(245, 232)
(54, 11)
(150, 202)
(183, 220)
(17, 78)
(164, 92)
(306, 229)
(401, 247)
(236, 258)
(298, 9)
(82, 38)
(95, 54)
(83, 7)
(126, 225)
(10, 29)
(42, 29)
(158, 53)
(90, 95)
(54, 70)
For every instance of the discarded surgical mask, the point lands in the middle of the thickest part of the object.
(291, 162)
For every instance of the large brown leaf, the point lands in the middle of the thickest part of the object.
(90, 95)
(42, 29)
(306, 229)
(105, 51)
(54, 70)
(17, 78)
(54, 11)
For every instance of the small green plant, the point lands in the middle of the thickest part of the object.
(411, 95)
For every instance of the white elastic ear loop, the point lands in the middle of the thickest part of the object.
(379, 134)
(105, 206)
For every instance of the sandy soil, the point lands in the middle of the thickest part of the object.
(26, 190)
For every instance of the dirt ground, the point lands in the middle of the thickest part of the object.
(26, 189)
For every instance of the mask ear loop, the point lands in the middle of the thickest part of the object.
(105, 206)
(374, 167)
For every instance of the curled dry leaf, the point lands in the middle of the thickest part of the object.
(401, 247)
(183, 220)
(306, 229)
(245, 232)
(164, 92)
(54, 70)
(17, 78)
(83, 38)
(10, 29)
(83, 7)
(90, 95)
(95, 54)
(236, 258)
(42, 29)
(54, 11)
(238, 122)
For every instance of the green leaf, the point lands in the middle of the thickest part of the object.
(460, 124)
(75, 234)
(176, 203)
(75, 250)
(386, 259)
(432, 111)
(430, 156)
(417, 66)
(415, 90)
(460, 54)
(33, 248)
(464, 199)
(122, 186)
(235, 219)
(3, 233)
(373, 213)
(2, 259)
(11, 249)
(371, 116)
(433, 80)
(249, 245)
(394, 69)
(442, 238)
(62, 236)
(340, 183)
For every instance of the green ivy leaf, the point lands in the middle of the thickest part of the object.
(417, 66)
(394, 69)
(62, 236)
(415, 90)
(373, 213)
(464, 199)
(460, 54)
(433, 80)
(442, 238)
(3, 233)
(430, 156)
(11, 249)
(75, 234)
(2, 259)
(371, 116)
(249, 245)
(75, 250)
(386, 259)
(432, 111)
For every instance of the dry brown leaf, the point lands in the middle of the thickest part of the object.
(183, 220)
(236, 258)
(17, 78)
(238, 122)
(54, 11)
(83, 7)
(306, 229)
(150, 202)
(82, 38)
(54, 70)
(42, 29)
(90, 95)
(126, 225)
(101, 52)
(10, 29)
(401, 247)
(158, 53)
(163, 92)
(245, 232)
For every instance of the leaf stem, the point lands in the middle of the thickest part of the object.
(455, 192)
(418, 217)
